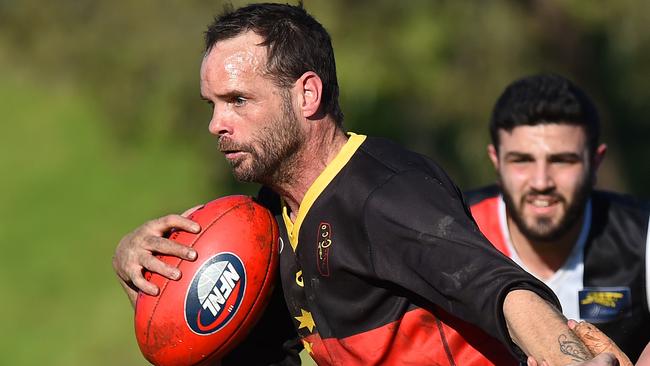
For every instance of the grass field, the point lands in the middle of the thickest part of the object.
(68, 193)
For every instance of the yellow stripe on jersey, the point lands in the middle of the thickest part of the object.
(323, 180)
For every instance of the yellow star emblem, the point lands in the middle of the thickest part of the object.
(306, 321)
(307, 347)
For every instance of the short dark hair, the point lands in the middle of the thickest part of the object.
(544, 99)
(295, 41)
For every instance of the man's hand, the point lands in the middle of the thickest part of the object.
(603, 359)
(136, 253)
(597, 341)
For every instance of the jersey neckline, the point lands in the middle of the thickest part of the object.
(322, 181)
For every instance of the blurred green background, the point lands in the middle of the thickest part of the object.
(104, 128)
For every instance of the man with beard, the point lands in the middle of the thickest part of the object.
(407, 277)
(589, 246)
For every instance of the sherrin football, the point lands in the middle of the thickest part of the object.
(201, 317)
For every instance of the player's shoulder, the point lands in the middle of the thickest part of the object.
(391, 173)
(388, 156)
(478, 195)
(391, 154)
(620, 202)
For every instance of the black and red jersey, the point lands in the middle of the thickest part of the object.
(384, 266)
(605, 279)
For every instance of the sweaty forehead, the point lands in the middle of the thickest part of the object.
(241, 57)
(544, 138)
(239, 63)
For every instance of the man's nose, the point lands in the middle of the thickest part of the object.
(542, 179)
(220, 123)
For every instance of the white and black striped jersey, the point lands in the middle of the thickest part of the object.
(606, 278)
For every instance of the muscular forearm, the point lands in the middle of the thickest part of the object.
(541, 331)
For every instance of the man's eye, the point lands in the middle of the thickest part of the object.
(239, 101)
(564, 163)
(520, 160)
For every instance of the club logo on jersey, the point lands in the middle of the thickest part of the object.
(299, 280)
(215, 293)
(602, 304)
(324, 242)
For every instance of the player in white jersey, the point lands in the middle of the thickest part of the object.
(589, 246)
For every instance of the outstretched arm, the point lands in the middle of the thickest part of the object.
(542, 332)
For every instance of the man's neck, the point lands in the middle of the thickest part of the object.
(544, 258)
(320, 148)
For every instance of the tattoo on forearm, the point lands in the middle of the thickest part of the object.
(574, 349)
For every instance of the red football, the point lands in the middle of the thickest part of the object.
(220, 296)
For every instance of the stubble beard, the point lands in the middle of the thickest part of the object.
(272, 150)
(544, 229)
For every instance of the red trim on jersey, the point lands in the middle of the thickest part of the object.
(486, 214)
(419, 338)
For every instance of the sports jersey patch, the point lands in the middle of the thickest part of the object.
(324, 242)
(603, 304)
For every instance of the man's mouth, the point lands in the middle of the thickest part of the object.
(232, 154)
(229, 149)
(542, 204)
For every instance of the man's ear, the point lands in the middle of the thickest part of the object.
(596, 161)
(493, 155)
(599, 156)
(309, 88)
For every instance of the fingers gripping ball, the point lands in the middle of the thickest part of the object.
(597, 342)
(220, 296)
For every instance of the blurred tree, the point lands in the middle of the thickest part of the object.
(422, 72)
